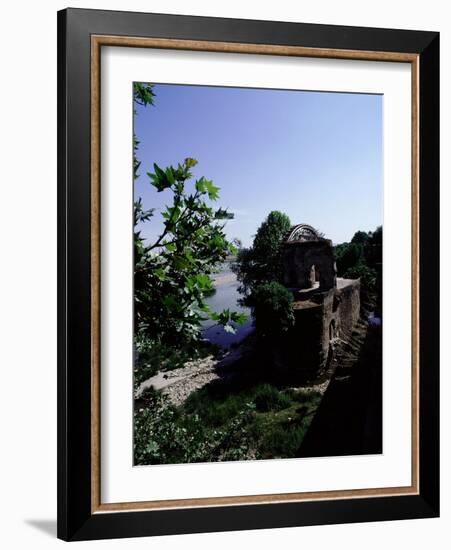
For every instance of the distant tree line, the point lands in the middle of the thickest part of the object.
(362, 258)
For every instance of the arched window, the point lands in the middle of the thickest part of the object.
(332, 333)
(312, 276)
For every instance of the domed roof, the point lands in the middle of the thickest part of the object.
(303, 232)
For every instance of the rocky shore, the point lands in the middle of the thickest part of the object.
(178, 384)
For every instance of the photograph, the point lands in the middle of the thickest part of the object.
(258, 261)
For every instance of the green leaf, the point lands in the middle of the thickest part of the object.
(160, 274)
(190, 162)
(204, 281)
(223, 214)
(238, 318)
(169, 172)
(160, 179)
(200, 185)
(212, 190)
(143, 93)
(170, 247)
(171, 213)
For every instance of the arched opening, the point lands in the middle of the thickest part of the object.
(332, 333)
(317, 274)
(314, 276)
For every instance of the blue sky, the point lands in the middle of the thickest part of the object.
(317, 156)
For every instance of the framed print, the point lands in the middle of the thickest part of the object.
(248, 274)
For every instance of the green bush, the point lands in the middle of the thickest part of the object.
(268, 398)
(367, 276)
(162, 436)
(272, 309)
(216, 409)
(166, 434)
(219, 425)
(213, 410)
(283, 441)
(348, 255)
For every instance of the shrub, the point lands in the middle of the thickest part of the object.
(282, 441)
(272, 309)
(348, 255)
(164, 435)
(367, 277)
(213, 410)
(366, 274)
(268, 398)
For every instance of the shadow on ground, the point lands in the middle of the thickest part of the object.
(46, 526)
(349, 419)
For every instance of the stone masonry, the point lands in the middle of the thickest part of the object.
(325, 307)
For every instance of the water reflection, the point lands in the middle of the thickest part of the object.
(226, 296)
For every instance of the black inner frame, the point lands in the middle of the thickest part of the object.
(75, 521)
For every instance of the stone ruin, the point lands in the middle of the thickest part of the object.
(325, 307)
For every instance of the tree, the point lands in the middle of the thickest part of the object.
(348, 255)
(272, 309)
(262, 263)
(373, 248)
(362, 259)
(360, 237)
(172, 274)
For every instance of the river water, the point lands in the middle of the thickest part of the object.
(226, 297)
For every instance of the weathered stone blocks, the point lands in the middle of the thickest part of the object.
(325, 307)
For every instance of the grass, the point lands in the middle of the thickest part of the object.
(268, 398)
(250, 416)
(280, 419)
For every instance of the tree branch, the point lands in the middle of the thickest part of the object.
(168, 224)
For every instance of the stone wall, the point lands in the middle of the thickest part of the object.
(299, 257)
(322, 317)
(348, 307)
(323, 309)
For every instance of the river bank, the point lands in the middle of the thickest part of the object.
(226, 296)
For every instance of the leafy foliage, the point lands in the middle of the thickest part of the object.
(360, 237)
(361, 271)
(164, 435)
(262, 262)
(347, 255)
(362, 258)
(172, 274)
(227, 317)
(268, 398)
(272, 309)
(223, 422)
(143, 93)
